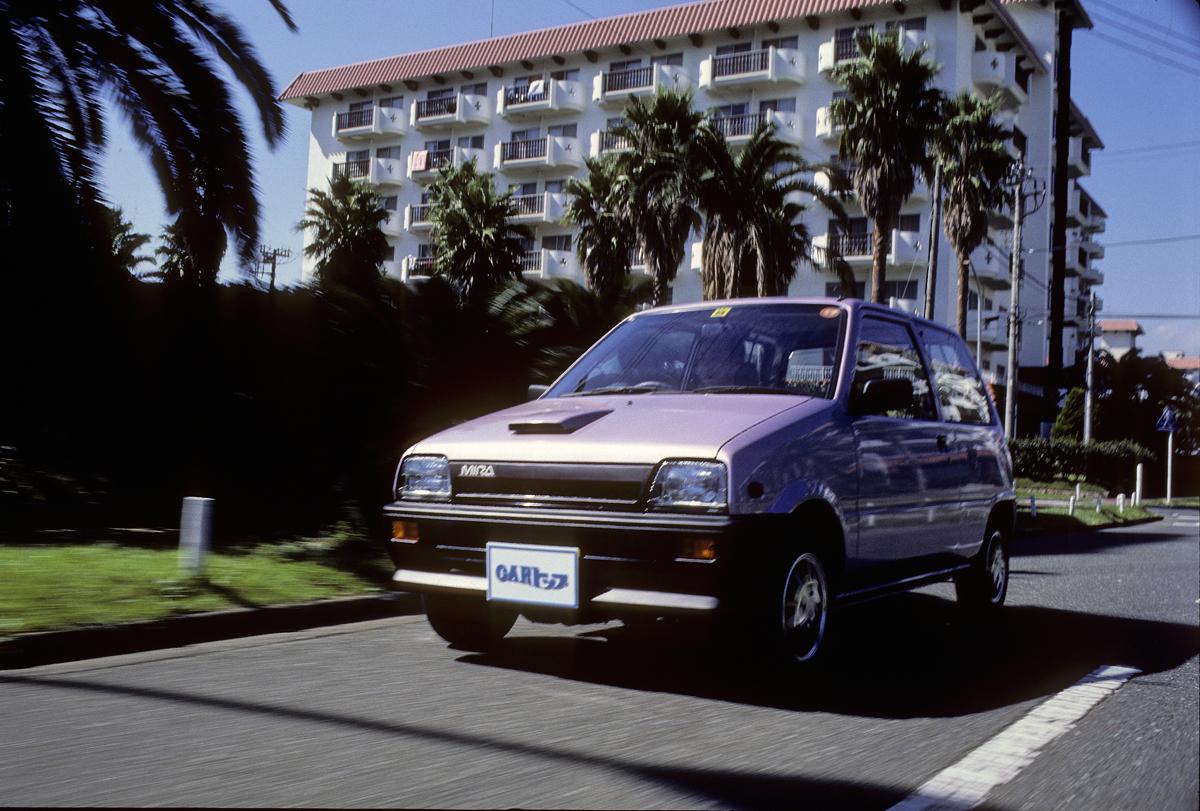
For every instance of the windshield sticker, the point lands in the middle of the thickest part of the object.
(830, 312)
(720, 312)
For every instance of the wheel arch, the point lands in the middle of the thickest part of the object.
(820, 527)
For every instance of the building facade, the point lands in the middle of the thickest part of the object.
(530, 107)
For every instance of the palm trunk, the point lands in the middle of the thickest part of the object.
(964, 269)
(879, 252)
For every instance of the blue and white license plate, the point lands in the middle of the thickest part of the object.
(534, 575)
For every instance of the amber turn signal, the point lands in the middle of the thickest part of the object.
(699, 549)
(405, 531)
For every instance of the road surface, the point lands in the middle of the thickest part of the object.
(381, 713)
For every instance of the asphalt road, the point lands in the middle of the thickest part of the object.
(382, 713)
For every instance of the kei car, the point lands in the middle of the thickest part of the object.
(758, 462)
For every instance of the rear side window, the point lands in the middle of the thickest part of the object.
(885, 351)
(959, 389)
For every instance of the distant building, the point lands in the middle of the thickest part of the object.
(1188, 364)
(1118, 335)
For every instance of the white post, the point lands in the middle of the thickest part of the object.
(1078, 491)
(1033, 506)
(1071, 505)
(1099, 503)
(1137, 492)
(1170, 461)
(1121, 503)
(195, 531)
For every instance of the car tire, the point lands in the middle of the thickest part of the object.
(801, 611)
(468, 623)
(984, 587)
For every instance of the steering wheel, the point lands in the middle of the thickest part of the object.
(658, 384)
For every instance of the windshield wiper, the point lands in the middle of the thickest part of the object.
(742, 390)
(616, 390)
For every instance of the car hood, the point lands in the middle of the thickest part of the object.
(633, 429)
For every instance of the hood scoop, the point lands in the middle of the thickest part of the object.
(550, 423)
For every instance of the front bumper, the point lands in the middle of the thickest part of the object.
(629, 562)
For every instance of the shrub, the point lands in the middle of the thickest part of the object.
(1111, 465)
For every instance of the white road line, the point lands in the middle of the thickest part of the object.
(966, 783)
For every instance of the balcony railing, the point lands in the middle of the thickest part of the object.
(526, 94)
(613, 142)
(628, 79)
(735, 126)
(439, 158)
(531, 262)
(736, 64)
(523, 150)
(528, 204)
(423, 265)
(850, 244)
(420, 212)
(355, 170)
(355, 119)
(845, 49)
(431, 108)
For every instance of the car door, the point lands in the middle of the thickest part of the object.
(973, 432)
(906, 494)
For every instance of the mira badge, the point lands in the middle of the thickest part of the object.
(477, 471)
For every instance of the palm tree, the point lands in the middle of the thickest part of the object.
(750, 200)
(476, 245)
(890, 114)
(599, 206)
(345, 239)
(63, 60)
(662, 183)
(125, 244)
(974, 164)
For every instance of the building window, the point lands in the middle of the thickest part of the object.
(781, 42)
(358, 106)
(909, 222)
(556, 242)
(914, 24)
(675, 60)
(730, 110)
(443, 93)
(556, 186)
(425, 250)
(904, 291)
(834, 290)
(778, 105)
(563, 130)
(526, 135)
(733, 48)
(392, 101)
(358, 155)
(471, 142)
(845, 44)
(388, 152)
(389, 203)
(523, 189)
(624, 64)
(567, 75)
(476, 89)
(437, 146)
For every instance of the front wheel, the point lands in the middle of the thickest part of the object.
(803, 610)
(468, 623)
(984, 586)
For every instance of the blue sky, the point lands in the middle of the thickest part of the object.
(1147, 113)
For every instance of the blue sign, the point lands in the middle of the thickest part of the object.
(1166, 423)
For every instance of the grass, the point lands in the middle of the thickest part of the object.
(1176, 501)
(1058, 488)
(1055, 519)
(52, 587)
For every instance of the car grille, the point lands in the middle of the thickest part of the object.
(566, 486)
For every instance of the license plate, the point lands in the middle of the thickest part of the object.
(534, 575)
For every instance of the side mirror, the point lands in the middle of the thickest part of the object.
(535, 391)
(881, 395)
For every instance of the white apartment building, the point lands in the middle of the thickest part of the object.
(530, 107)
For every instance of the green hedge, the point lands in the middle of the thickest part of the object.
(1112, 465)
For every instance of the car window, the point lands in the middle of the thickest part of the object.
(885, 351)
(959, 389)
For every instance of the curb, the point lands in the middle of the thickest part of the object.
(51, 647)
(1035, 530)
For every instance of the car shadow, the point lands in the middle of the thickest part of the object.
(1085, 543)
(913, 655)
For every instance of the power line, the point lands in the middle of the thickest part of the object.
(1108, 153)
(1148, 54)
(580, 9)
(1113, 8)
(1153, 241)
(1162, 43)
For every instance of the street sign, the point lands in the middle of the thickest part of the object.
(1166, 423)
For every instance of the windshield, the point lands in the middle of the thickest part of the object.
(750, 348)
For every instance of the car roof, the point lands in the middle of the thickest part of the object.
(848, 304)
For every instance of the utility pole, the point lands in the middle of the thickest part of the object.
(1014, 317)
(1090, 380)
(271, 256)
(935, 227)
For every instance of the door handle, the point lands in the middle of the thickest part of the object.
(942, 442)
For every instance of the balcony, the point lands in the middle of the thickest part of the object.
(416, 217)
(607, 142)
(826, 129)
(387, 172)
(417, 267)
(451, 111)
(905, 248)
(1079, 161)
(537, 98)
(1074, 215)
(834, 52)
(615, 88)
(393, 226)
(995, 327)
(738, 129)
(996, 72)
(538, 153)
(1092, 248)
(374, 121)
(543, 207)
(437, 158)
(750, 69)
(991, 266)
(355, 170)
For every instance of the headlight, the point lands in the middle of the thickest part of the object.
(424, 477)
(688, 485)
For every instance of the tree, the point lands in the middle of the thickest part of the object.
(662, 183)
(970, 151)
(63, 60)
(599, 205)
(345, 239)
(476, 245)
(125, 244)
(750, 200)
(890, 116)
(1069, 422)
